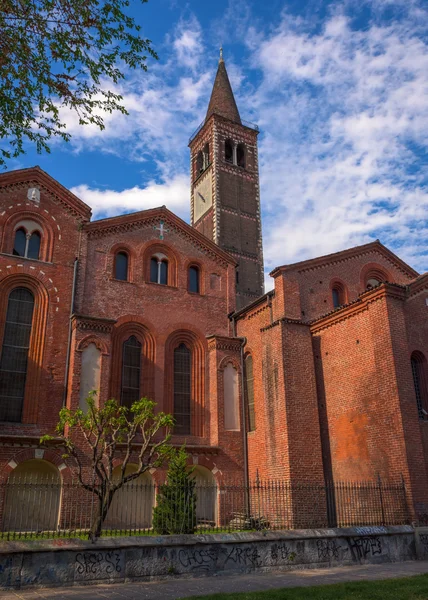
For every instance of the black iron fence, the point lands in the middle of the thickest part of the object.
(30, 509)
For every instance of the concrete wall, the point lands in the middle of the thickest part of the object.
(67, 562)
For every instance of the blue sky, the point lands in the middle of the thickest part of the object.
(338, 89)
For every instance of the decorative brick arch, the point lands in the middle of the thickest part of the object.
(37, 338)
(375, 271)
(161, 247)
(196, 343)
(47, 236)
(229, 360)
(132, 258)
(199, 265)
(338, 284)
(123, 330)
(92, 339)
(51, 456)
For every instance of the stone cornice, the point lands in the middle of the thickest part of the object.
(217, 342)
(87, 323)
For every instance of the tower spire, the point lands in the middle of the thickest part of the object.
(222, 101)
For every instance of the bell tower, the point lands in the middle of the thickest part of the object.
(225, 199)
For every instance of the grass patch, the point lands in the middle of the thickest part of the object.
(408, 588)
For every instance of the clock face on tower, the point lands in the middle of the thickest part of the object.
(202, 197)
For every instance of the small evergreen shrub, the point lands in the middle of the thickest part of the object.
(176, 501)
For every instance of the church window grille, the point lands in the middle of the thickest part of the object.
(121, 266)
(131, 372)
(194, 280)
(240, 155)
(228, 151)
(420, 381)
(249, 392)
(26, 244)
(182, 389)
(14, 354)
(159, 271)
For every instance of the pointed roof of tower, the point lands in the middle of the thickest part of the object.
(222, 101)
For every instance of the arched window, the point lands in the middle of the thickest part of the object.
(33, 247)
(131, 372)
(199, 163)
(159, 270)
(420, 380)
(206, 155)
(182, 389)
(14, 353)
(249, 392)
(194, 280)
(121, 266)
(240, 155)
(27, 244)
(338, 295)
(228, 151)
(20, 242)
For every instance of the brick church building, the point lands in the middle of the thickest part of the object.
(323, 378)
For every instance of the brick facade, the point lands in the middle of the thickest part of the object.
(331, 345)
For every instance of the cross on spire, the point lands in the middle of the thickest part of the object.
(162, 229)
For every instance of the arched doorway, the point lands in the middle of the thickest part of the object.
(33, 495)
(132, 506)
(206, 496)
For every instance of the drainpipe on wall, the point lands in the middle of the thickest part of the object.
(243, 416)
(67, 360)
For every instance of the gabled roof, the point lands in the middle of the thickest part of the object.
(222, 101)
(151, 217)
(62, 194)
(343, 255)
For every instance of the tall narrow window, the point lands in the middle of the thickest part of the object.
(121, 266)
(228, 151)
(163, 272)
(249, 392)
(14, 354)
(33, 248)
(194, 280)
(420, 380)
(20, 242)
(240, 155)
(199, 163)
(206, 155)
(182, 389)
(131, 371)
(154, 270)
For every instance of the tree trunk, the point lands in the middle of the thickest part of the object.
(103, 507)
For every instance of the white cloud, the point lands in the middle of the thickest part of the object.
(174, 194)
(345, 116)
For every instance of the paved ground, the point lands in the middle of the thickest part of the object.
(181, 588)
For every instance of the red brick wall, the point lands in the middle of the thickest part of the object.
(307, 291)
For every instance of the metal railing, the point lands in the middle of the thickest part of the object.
(43, 509)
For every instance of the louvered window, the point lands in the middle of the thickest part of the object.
(14, 354)
(131, 371)
(249, 392)
(182, 389)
